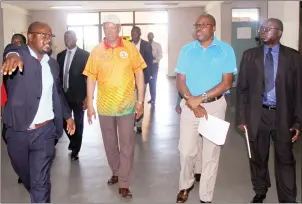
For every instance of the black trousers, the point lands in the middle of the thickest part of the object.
(285, 164)
(153, 81)
(78, 114)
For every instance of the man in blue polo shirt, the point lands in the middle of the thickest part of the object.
(205, 70)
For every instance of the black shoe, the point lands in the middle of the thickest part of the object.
(204, 202)
(258, 198)
(197, 177)
(74, 155)
(19, 180)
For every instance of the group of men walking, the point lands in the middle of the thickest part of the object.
(43, 93)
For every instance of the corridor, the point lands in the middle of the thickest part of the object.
(156, 165)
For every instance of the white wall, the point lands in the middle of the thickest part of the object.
(288, 13)
(180, 29)
(214, 8)
(57, 20)
(15, 20)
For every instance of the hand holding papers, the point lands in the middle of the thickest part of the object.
(214, 129)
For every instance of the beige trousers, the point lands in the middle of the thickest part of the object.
(190, 144)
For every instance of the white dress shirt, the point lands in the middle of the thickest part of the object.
(45, 109)
(138, 45)
(156, 52)
(67, 66)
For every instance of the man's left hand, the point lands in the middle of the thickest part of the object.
(70, 126)
(193, 101)
(85, 104)
(296, 136)
(139, 109)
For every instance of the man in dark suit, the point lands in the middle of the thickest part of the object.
(145, 49)
(72, 62)
(269, 104)
(34, 110)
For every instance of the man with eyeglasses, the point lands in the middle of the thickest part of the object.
(269, 104)
(205, 71)
(34, 110)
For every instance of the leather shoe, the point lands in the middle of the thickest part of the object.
(258, 198)
(183, 195)
(125, 193)
(204, 201)
(112, 180)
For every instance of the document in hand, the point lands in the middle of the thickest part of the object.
(214, 129)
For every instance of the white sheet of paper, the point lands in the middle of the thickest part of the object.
(244, 33)
(214, 129)
(247, 142)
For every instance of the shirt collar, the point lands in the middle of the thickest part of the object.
(45, 57)
(214, 43)
(73, 50)
(275, 49)
(119, 44)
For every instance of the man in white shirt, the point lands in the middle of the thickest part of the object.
(157, 56)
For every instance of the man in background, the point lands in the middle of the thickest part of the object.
(72, 62)
(145, 49)
(157, 56)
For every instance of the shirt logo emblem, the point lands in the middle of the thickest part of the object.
(123, 54)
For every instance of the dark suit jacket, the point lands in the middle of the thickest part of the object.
(146, 52)
(24, 90)
(77, 81)
(250, 90)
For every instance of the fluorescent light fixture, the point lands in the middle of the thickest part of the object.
(65, 7)
(161, 4)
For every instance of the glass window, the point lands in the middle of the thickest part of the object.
(82, 19)
(79, 32)
(245, 15)
(151, 17)
(91, 37)
(125, 17)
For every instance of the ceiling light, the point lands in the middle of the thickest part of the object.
(65, 7)
(161, 4)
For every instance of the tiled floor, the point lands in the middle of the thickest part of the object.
(156, 168)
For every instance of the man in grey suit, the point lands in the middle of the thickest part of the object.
(34, 110)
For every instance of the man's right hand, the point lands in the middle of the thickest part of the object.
(241, 127)
(200, 111)
(11, 63)
(90, 113)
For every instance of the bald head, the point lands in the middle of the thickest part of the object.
(39, 38)
(209, 17)
(276, 23)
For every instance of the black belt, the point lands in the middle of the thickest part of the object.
(269, 107)
(209, 100)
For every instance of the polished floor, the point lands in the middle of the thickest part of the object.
(156, 166)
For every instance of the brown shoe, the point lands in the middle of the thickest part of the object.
(112, 180)
(183, 195)
(125, 193)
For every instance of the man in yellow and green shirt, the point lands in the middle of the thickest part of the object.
(117, 68)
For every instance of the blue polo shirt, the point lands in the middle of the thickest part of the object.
(204, 67)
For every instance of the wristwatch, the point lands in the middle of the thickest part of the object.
(205, 95)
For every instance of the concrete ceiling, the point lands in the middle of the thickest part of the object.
(104, 5)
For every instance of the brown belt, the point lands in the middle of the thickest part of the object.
(36, 126)
(213, 99)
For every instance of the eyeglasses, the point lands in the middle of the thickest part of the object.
(44, 35)
(266, 29)
(202, 26)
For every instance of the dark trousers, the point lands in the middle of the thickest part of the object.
(152, 82)
(31, 153)
(78, 114)
(3, 133)
(285, 171)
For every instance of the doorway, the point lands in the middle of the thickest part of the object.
(245, 24)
